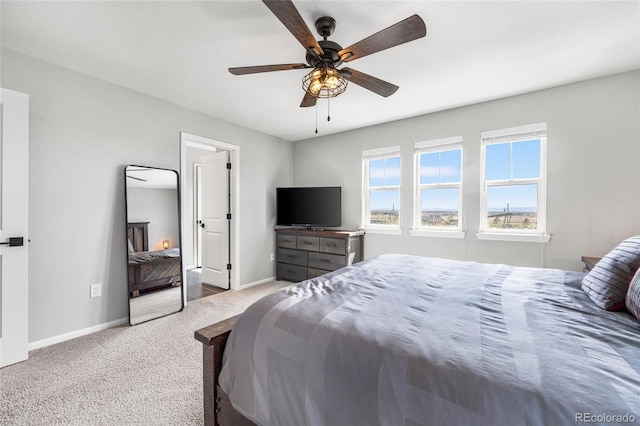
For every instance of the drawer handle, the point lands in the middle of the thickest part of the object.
(331, 245)
(325, 260)
(290, 271)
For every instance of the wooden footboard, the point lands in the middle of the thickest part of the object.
(217, 407)
(154, 275)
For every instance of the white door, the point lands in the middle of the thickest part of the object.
(215, 232)
(14, 205)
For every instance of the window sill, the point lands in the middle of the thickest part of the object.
(437, 234)
(524, 238)
(383, 231)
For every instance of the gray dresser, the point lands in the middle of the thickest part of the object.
(303, 254)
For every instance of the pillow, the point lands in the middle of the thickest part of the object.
(607, 283)
(632, 300)
(131, 249)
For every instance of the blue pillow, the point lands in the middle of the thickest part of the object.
(607, 283)
(632, 301)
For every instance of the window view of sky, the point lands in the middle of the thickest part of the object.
(438, 168)
(504, 162)
(441, 167)
(517, 160)
(384, 172)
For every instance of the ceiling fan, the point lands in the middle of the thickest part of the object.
(324, 56)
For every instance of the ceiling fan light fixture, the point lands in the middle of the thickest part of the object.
(324, 82)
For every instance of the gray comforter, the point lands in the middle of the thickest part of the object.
(141, 257)
(405, 340)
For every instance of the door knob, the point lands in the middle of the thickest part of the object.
(201, 224)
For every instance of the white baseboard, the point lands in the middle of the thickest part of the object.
(255, 283)
(83, 332)
(72, 335)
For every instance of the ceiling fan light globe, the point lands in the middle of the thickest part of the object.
(325, 82)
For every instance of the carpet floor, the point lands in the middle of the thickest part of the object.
(149, 374)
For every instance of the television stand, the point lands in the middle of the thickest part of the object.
(307, 253)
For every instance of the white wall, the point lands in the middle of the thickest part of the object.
(593, 194)
(83, 131)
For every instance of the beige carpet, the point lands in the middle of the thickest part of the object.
(149, 374)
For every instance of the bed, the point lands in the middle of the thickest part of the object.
(150, 270)
(406, 340)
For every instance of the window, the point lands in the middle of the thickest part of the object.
(381, 188)
(438, 183)
(513, 194)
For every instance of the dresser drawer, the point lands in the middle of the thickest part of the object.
(286, 241)
(292, 256)
(291, 272)
(308, 243)
(332, 245)
(313, 272)
(327, 262)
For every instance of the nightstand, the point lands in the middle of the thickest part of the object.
(589, 262)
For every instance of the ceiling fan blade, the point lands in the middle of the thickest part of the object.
(308, 100)
(287, 13)
(402, 32)
(266, 68)
(376, 85)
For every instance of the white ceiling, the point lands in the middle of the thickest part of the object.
(473, 52)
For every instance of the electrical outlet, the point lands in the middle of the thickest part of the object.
(272, 257)
(96, 290)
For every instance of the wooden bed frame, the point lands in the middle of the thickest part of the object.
(138, 234)
(218, 410)
(138, 285)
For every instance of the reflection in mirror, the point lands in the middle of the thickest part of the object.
(153, 243)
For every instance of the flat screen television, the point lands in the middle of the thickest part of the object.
(312, 207)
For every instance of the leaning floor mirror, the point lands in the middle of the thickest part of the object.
(154, 260)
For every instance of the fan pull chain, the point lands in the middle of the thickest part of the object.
(316, 117)
(328, 109)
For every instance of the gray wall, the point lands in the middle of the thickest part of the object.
(593, 191)
(82, 132)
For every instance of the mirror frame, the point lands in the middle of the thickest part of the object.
(179, 225)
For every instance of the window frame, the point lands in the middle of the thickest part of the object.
(431, 146)
(368, 156)
(511, 135)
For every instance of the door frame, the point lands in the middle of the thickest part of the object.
(197, 236)
(195, 141)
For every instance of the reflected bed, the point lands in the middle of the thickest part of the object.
(153, 270)
(150, 270)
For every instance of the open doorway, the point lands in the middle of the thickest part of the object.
(209, 215)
